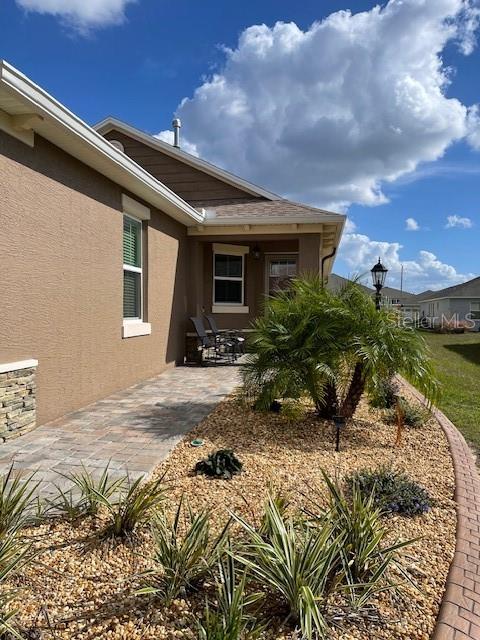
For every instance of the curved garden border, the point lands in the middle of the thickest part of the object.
(459, 615)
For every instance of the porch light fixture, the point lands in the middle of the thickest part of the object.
(256, 252)
(379, 273)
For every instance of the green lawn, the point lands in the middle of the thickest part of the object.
(457, 363)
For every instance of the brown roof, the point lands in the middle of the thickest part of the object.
(263, 209)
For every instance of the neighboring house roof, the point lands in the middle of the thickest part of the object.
(405, 297)
(109, 124)
(469, 289)
(335, 283)
(26, 108)
(271, 211)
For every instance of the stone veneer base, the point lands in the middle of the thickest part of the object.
(17, 398)
(459, 615)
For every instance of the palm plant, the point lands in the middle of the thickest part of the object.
(292, 348)
(295, 562)
(378, 346)
(181, 559)
(231, 619)
(330, 347)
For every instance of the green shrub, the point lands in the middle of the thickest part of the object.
(231, 619)
(413, 415)
(132, 505)
(181, 560)
(17, 501)
(13, 557)
(384, 394)
(220, 464)
(293, 411)
(364, 560)
(294, 563)
(392, 491)
(90, 487)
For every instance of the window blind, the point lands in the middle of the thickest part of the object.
(131, 294)
(131, 242)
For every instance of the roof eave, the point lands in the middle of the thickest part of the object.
(67, 131)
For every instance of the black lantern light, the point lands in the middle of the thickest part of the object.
(379, 273)
(256, 252)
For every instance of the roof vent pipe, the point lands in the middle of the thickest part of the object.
(176, 124)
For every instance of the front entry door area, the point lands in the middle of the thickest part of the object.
(280, 271)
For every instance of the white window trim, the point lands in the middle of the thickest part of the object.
(133, 327)
(229, 250)
(475, 303)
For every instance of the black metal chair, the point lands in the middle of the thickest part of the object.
(223, 348)
(229, 334)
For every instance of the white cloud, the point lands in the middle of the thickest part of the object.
(328, 114)
(167, 136)
(82, 15)
(458, 221)
(411, 224)
(360, 253)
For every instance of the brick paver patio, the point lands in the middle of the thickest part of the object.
(134, 429)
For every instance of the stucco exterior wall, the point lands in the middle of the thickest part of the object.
(450, 308)
(62, 280)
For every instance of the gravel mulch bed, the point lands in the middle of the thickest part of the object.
(84, 589)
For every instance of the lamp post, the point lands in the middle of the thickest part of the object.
(379, 273)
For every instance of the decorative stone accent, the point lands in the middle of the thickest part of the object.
(17, 398)
(459, 616)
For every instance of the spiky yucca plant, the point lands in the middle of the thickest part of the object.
(90, 486)
(232, 618)
(294, 562)
(134, 504)
(183, 552)
(17, 501)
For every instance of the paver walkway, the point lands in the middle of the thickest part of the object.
(134, 429)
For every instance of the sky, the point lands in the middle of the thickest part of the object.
(371, 110)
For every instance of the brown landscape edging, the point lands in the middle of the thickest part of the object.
(459, 615)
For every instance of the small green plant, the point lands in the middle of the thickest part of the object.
(64, 505)
(293, 411)
(132, 505)
(89, 488)
(384, 394)
(413, 415)
(220, 464)
(364, 560)
(13, 557)
(17, 501)
(231, 619)
(182, 560)
(295, 563)
(392, 491)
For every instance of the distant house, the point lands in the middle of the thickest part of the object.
(406, 303)
(453, 306)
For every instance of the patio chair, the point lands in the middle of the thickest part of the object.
(230, 334)
(222, 348)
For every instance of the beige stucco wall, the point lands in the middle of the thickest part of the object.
(61, 275)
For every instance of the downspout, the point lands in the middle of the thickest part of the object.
(330, 255)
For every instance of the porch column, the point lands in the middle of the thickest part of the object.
(196, 276)
(309, 253)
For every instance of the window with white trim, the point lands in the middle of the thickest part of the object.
(132, 268)
(228, 276)
(475, 310)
